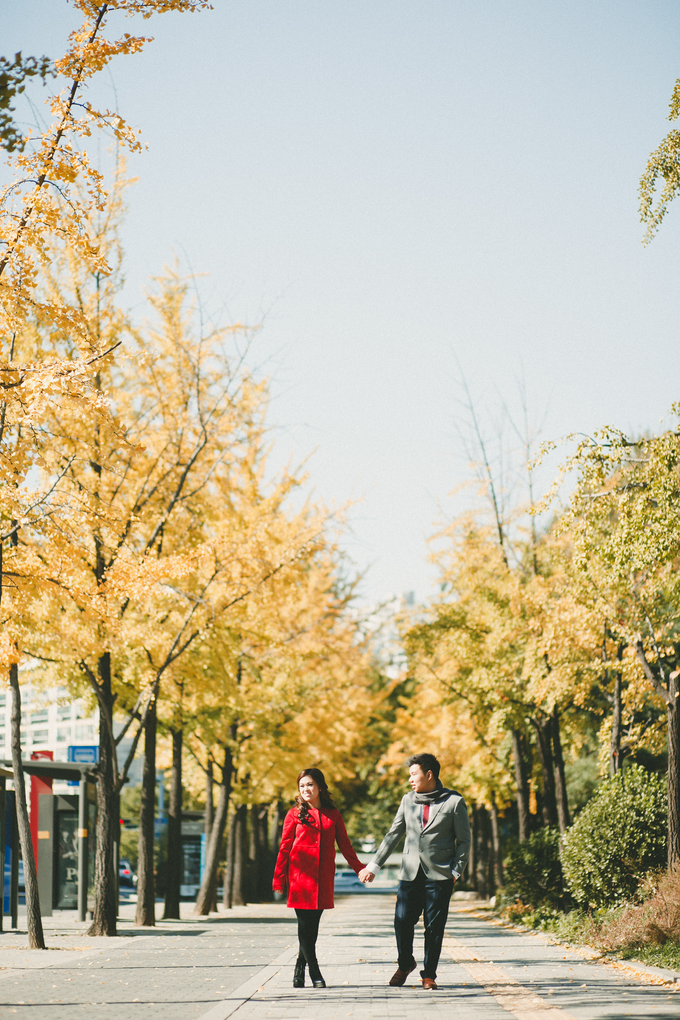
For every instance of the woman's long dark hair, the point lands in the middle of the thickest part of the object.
(324, 796)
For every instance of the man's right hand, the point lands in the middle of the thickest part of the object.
(366, 876)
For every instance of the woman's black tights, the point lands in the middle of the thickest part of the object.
(308, 931)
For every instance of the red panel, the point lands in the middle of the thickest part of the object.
(38, 786)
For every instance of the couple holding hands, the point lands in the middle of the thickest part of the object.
(435, 822)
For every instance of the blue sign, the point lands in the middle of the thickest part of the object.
(9, 826)
(84, 754)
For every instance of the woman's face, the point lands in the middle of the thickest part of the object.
(309, 790)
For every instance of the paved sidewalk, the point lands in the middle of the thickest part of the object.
(240, 965)
(487, 972)
(175, 971)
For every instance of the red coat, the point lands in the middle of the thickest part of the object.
(306, 861)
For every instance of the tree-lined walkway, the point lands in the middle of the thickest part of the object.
(240, 966)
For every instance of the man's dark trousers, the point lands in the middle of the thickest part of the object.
(431, 898)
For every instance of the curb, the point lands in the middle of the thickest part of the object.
(671, 977)
(668, 976)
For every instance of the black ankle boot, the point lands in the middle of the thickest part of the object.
(299, 975)
(315, 975)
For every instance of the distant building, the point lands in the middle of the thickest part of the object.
(381, 622)
(50, 720)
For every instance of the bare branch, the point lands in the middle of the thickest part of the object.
(130, 758)
(649, 673)
(134, 714)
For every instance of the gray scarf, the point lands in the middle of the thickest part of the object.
(434, 796)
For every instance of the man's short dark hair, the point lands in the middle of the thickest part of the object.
(427, 762)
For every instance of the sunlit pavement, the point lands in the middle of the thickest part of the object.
(240, 965)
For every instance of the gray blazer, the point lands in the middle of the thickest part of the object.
(442, 847)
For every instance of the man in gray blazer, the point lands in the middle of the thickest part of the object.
(437, 847)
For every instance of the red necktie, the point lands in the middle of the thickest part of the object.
(426, 814)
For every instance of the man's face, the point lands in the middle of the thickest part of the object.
(421, 782)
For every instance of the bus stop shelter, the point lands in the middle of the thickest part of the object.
(65, 834)
(9, 850)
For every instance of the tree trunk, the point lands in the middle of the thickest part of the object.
(277, 827)
(209, 818)
(673, 771)
(482, 852)
(253, 854)
(36, 939)
(560, 778)
(544, 733)
(146, 886)
(175, 859)
(615, 744)
(521, 778)
(496, 838)
(206, 894)
(239, 882)
(265, 864)
(276, 822)
(105, 913)
(472, 859)
(229, 870)
(209, 800)
(261, 875)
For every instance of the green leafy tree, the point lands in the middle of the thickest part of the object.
(623, 522)
(663, 165)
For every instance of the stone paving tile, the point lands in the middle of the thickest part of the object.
(176, 971)
(357, 957)
(191, 968)
(356, 953)
(585, 990)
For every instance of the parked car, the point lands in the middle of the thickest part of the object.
(347, 881)
(126, 876)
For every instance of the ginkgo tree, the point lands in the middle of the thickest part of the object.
(288, 682)
(183, 537)
(52, 193)
(512, 650)
(249, 549)
(663, 165)
(188, 421)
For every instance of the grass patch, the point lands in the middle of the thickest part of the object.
(667, 956)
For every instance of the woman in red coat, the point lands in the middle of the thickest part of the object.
(306, 864)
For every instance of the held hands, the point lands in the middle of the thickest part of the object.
(366, 876)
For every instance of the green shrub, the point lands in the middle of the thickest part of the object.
(533, 873)
(617, 839)
(583, 777)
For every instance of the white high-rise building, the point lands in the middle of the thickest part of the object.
(381, 622)
(50, 720)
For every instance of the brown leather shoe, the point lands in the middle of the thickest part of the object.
(400, 976)
(429, 984)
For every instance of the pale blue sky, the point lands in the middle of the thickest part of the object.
(397, 187)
